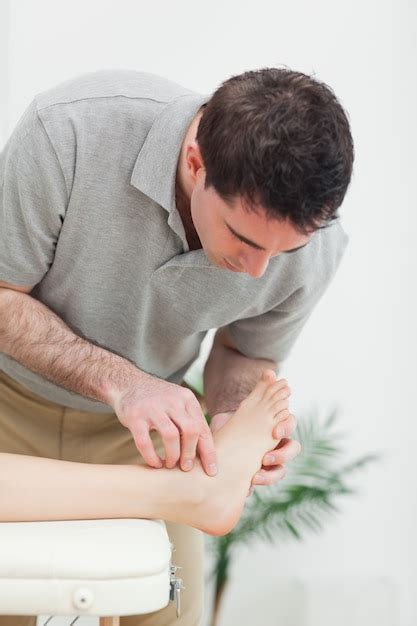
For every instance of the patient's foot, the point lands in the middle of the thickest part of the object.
(240, 446)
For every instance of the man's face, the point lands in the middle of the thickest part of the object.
(221, 228)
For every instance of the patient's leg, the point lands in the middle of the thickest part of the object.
(36, 488)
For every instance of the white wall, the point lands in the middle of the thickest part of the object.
(357, 351)
(4, 69)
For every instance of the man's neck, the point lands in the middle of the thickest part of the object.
(181, 200)
(184, 209)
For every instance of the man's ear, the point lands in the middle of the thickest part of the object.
(194, 159)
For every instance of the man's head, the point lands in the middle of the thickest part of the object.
(269, 159)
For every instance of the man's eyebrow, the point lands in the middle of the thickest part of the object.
(244, 239)
(257, 246)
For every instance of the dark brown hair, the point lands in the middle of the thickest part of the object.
(280, 141)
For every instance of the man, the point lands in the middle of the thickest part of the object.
(135, 216)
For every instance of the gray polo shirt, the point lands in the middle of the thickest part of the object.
(88, 216)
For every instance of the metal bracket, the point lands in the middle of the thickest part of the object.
(52, 616)
(175, 587)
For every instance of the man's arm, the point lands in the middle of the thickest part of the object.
(229, 376)
(37, 338)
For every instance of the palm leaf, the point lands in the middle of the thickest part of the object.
(315, 480)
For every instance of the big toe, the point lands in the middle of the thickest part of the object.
(267, 378)
(269, 375)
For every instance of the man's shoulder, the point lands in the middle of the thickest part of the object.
(111, 84)
(324, 253)
(104, 111)
(332, 242)
(325, 248)
(313, 265)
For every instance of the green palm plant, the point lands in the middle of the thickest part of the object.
(315, 479)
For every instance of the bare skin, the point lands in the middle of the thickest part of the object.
(240, 444)
(35, 488)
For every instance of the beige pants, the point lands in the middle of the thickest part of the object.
(34, 426)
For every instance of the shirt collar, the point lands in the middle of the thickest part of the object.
(155, 169)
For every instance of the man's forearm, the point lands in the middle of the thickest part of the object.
(229, 377)
(37, 338)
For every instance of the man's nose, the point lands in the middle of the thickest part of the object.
(255, 264)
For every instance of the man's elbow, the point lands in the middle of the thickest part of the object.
(223, 338)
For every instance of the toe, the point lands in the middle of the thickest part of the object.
(278, 390)
(264, 382)
(269, 376)
(281, 393)
(269, 379)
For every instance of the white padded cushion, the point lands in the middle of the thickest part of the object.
(84, 567)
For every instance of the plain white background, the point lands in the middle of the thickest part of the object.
(357, 351)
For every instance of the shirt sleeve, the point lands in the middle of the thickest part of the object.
(272, 334)
(33, 201)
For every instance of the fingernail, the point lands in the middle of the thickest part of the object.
(188, 464)
(269, 458)
(213, 469)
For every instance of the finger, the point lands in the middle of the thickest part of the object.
(207, 452)
(144, 444)
(189, 425)
(281, 443)
(170, 436)
(189, 434)
(283, 454)
(205, 443)
(269, 476)
(285, 428)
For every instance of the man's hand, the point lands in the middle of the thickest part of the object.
(175, 413)
(286, 450)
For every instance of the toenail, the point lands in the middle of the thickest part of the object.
(269, 458)
(188, 464)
